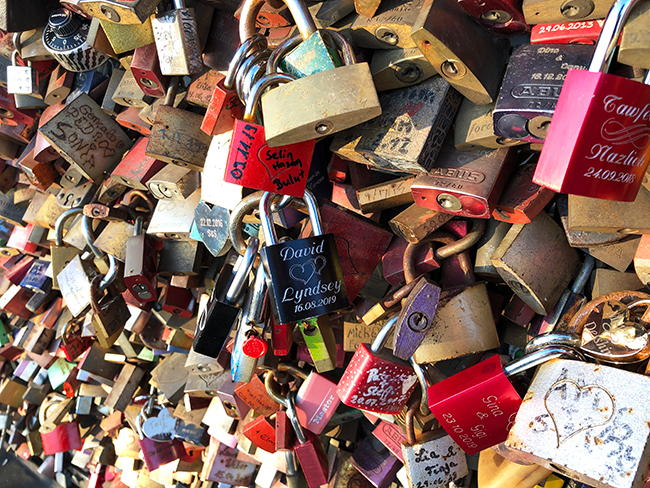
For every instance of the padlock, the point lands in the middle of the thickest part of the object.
(571, 161)
(330, 113)
(73, 344)
(279, 169)
(21, 79)
(540, 292)
(474, 128)
(220, 314)
(176, 135)
(154, 453)
(466, 184)
(88, 138)
(375, 463)
(473, 68)
(478, 405)
(386, 28)
(261, 432)
(109, 314)
(522, 200)
(537, 11)
(397, 68)
(66, 38)
(119, 11)
(393, 143)
(502, 17)
(433, 456)
(418, 308)
(586, 32)
(140, 265)
(308, 448)
(531, 87)
(249, 342)
(570, 404)
(177, 41)
(173, 183)
(129, 94)
(223, 107)
(295, 294)
(375, 380)
(316, 400)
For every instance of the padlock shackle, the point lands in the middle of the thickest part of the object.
(255, 313)
(382, 335)
(251, 66)
(172, 91)
(252, 76)
(258, 41)
(272, 389)
(18, 45)
(611, 31)
(342, 45)
(293, 418)
(246, 206)
(258, 88)
(87, 231)
(280, 52)
(541, 356)
(424, 386)
(414, 405)
(293, 370)
(299, 11)
(242, 269)
(410, 254)
(60, 223)
(578, 321)
(552, 339)
(267, 224)
(129, 199)
(179, 4)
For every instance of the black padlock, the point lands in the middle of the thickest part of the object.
(220, 314)
(304, 276)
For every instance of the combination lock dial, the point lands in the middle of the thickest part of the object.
(65, 36)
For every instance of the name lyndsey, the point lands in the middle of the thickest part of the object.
(291, 294)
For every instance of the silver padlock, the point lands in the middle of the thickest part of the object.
(21, 79)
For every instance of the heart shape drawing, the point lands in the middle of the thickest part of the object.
(576, 408)
(277, 161)
(161, 428)
(319, 263)
(302, 272)
(212, 225)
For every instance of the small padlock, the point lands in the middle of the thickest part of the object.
(375, 380)
(253, 164)
(220, 315)
(289, 122)
(610, 125)
(21, 79)
(154, 453)
(478, 405)
(500, 17)
(433, 456)
(73, 344)
(177, 41)
(304, 276)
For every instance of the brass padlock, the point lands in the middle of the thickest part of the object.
(474, 128)
(86, 137)
(397, 68)
(398, 143)
(109, 313)
(176, 136)
(539, 288)
(177, 40)
(292, 116)
(467, 56)
(551, 11)
(390, 26)
(120, 11)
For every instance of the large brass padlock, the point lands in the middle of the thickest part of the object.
(467, 56)
(109, 314)
(312, 106)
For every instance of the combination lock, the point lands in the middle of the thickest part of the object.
(65, 36)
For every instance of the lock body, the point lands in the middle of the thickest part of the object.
(393, 143)
(376, 382)
(466, 184)
(584, 156)
(502, 17)
(434, 458)
(306, 279)
(571, 403)
(522, 200)
(547, 11)
(585, 32)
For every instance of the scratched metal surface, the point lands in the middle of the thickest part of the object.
(586, 421)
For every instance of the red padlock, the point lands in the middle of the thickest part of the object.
(223, 109)
(502, 17)
(598, 144)
(477, 406)
(64, 438)
(253, 164)
(585, 32)
(375, 380)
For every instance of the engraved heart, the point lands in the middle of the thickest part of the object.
(161, 428)
(302, 272)
(212, 225)
(319, 263)
(576, 408)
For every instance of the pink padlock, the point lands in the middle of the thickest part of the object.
(316, 400)
(64, 438)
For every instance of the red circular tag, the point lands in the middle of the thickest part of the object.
(255, 347)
